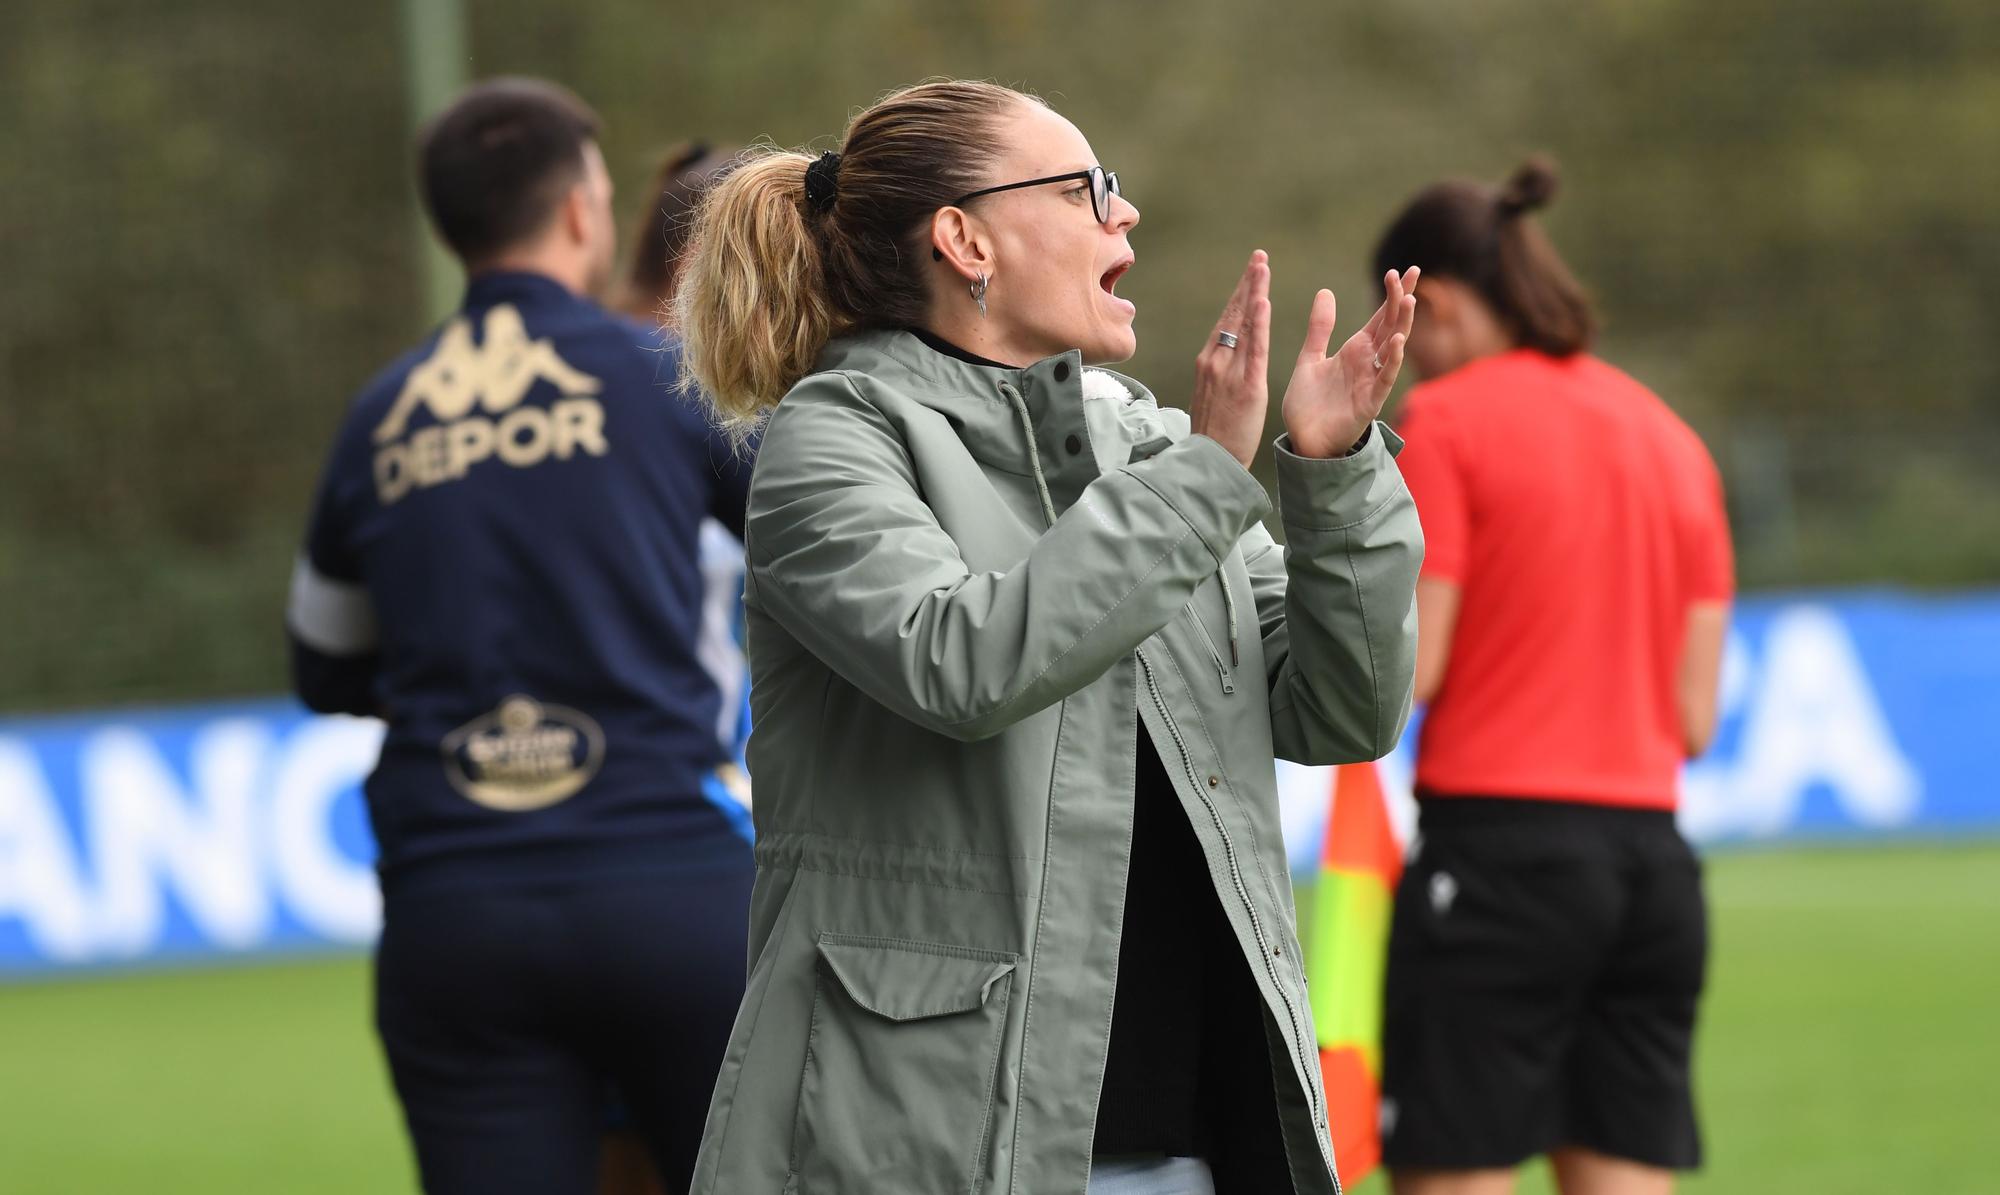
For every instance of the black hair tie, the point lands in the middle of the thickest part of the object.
(823, 182)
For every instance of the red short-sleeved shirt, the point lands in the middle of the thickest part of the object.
(1580, 518)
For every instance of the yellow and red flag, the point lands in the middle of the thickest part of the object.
(1360, 863)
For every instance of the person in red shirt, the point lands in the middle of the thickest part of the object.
(1549, 940)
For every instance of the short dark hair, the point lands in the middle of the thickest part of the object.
(496, 162)
(1487, 238)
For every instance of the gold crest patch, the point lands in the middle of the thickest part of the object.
(524, 755)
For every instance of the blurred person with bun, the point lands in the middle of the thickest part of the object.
(660, 233)
(659, 236)
(1549, 939)
(1023, 653)
(502, 563)
(659, 239)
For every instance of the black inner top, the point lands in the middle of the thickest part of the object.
(940, 345)
(1188, 1053)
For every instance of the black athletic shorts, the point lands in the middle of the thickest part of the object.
(510, 1016)
(1545, 961)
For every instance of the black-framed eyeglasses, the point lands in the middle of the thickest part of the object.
(1102, 187)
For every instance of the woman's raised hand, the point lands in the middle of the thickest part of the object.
(1331, 401)
(1231, 386)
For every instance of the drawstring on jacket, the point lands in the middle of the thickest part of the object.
(1034, 453)
(1049, 508)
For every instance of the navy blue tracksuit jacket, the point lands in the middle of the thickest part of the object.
(501, 562)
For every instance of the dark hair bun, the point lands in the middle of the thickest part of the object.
(1531, 188)
(686, 157)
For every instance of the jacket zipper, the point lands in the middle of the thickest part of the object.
(1236, 876)
(1221, 669)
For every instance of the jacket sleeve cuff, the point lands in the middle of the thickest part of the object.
(1332, 493)
(1208, 488)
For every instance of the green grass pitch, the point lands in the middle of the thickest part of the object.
(1848, 1045)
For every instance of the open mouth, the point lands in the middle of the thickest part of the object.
(1109, 279)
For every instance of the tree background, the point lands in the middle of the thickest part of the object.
(1787, 211)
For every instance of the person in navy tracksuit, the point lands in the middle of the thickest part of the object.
(503, 562)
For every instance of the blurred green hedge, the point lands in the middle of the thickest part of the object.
(1786, 210)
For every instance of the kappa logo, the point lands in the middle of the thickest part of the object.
(476, 394)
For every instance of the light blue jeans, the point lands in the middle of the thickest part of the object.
(1151, 1176)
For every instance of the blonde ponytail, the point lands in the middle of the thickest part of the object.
(752, 310)
(769, 278)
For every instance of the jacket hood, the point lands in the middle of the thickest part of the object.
(1123, 419)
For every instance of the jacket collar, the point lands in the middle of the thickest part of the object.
(519, 287)
(1071, 446)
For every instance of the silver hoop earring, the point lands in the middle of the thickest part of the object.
(978, 289)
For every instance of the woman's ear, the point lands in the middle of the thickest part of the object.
(956, 240)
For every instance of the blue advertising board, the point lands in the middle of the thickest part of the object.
(155, 835)
(165, 834)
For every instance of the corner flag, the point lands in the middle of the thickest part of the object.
(1360, 864)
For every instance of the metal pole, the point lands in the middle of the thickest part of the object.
(436, 64)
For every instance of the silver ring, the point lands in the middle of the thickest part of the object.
(1378, 363)
(1226, 339)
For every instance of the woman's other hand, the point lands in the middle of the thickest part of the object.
(1331, 401)
(1231, 385)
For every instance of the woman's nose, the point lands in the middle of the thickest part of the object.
(1124, 214)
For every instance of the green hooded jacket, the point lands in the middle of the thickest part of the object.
(966, 589)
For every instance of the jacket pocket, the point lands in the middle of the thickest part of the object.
(901, 1067)
(1208, 641)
